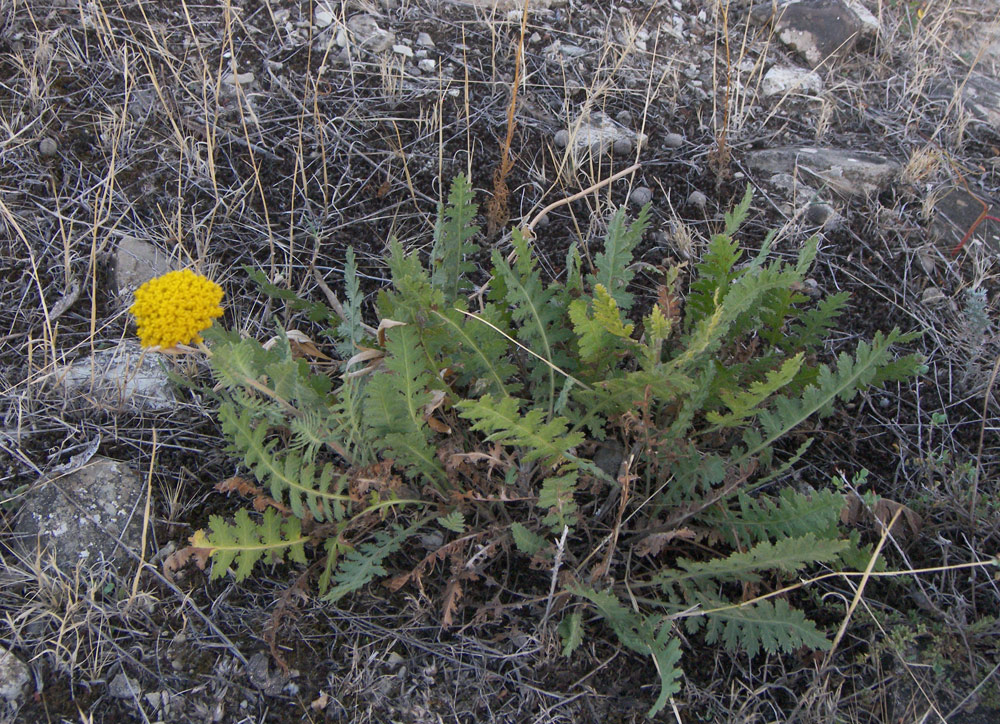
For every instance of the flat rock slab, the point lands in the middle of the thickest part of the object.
(980, 96)
(819, 30)
(79, 516)
(136, 262)
(845, 172)
(956, 211)
(119, 379)
(780, 81)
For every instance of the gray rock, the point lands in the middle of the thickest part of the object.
(622, 147)
(424, 40)
(47, 147)
(14, 677)
(365, 32)
(956, 212)
(673, 140)
(136, 262)
(323, 18)
(405, 50)
(820, 214)
(820, 30)
(122, 687)
(847, 173)
(79, 516)
(980, 96)
(791, 186)
(870, 26)
(781, 81)
(624, 118)
(698, 199)
(595, 135)
(120, 378)
(427, 65)
(641, 196)
(933, 297)
(244, 80)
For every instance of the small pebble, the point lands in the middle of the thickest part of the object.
(622, 147)
(673, 140)
(624, 118)
(697, 198)
(933, 297)
(47, 147)
(427, 65)
(322, 18)
(641, 196)
(561, 138)
(819, 214)
(425, 40)
(405, 50)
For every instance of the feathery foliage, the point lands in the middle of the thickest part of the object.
(510, 407)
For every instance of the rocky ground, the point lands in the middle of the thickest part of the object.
(139, 137)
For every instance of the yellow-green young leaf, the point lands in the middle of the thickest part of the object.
(595, 332)
(247, 542)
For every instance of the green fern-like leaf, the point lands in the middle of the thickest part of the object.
(647, 635)
(502, 421)
(772, 627)
(745, 403)
(788, 555)
(843, 383)
(536, 310)
(790, 515)
(571, 631)
(526, 541)
(613, 272)
(246, 542)
(600, 335)
(452, 232)
(395, 404)
(360, 566)
(556, 496)
(290, 477)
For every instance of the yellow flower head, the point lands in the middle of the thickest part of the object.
(172, 309)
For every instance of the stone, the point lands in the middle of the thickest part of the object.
(365, 32)
(424, 40)
(80, 516)
(933, 297)
(848, 173)
(870, 26)
(980, 96)
(405, 50)
(123, 687)
(47, 147)
(14, 677)
(119, 378)
(819, 30)
(673, 140)
(323, 18)
(622, 147)
(427, 65)
(698, 199)
(246, 80)
(956, 211)
(641, 196)
(595, 135)
(819, 214)
(136, 262)
(782, 81)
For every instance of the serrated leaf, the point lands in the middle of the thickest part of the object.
(526, 541)
(571, 631)
(454, 521)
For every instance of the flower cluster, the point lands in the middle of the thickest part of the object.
(172, 309)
